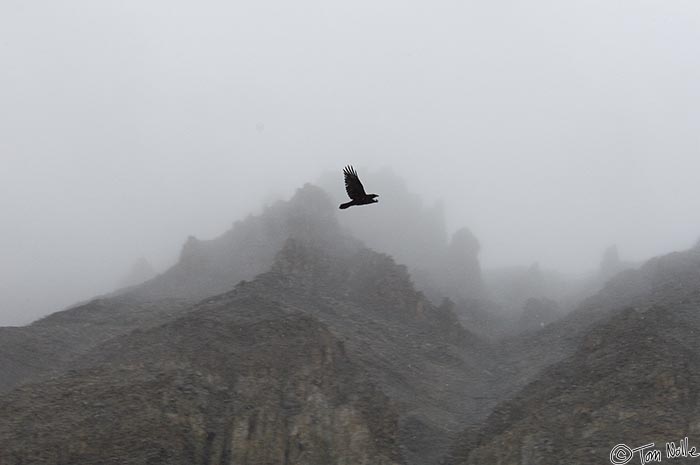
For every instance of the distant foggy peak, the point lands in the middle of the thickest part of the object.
(141, 271)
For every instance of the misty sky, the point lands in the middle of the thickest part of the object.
(551, 128)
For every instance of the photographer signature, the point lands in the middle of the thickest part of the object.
(622, 453)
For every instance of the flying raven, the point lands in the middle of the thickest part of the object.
(355, 191)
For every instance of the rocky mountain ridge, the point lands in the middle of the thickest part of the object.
(429, 369)
(627, 371)
(286, 340)
(205, 268)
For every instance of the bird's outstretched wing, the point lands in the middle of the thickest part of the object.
(353, 186)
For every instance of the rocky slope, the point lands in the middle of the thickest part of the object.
(49, 345)
(205, 268)
(287, 341)
(628, 372)
(234, 381)
(672, 277)
(430, 372)
(425, 370)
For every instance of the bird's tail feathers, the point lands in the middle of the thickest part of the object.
(343, 206)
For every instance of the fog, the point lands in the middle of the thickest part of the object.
(551, 129)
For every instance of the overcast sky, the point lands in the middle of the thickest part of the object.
(551, 128)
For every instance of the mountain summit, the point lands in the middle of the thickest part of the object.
(284, 340)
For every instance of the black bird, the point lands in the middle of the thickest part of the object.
(355, 191)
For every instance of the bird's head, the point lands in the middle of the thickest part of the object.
(374, 197)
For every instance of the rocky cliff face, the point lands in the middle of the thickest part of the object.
(416, 353)
(631, 376)
(235, 381)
